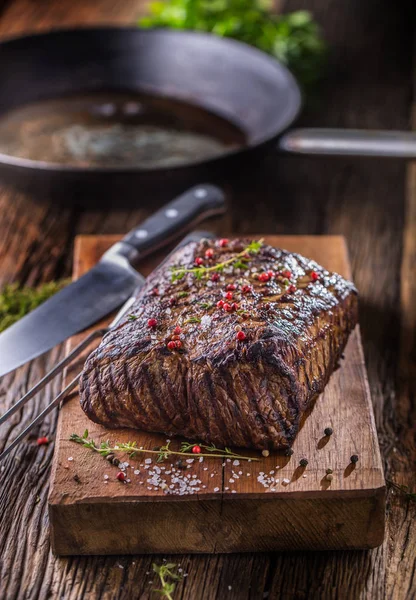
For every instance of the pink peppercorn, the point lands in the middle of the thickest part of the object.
(152, 323)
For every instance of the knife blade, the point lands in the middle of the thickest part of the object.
(107, 285)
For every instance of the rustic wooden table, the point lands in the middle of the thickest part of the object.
(371, 202)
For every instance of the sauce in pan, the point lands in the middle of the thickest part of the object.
(110, 129)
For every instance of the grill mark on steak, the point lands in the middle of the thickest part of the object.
(137, 408)
(102, 398)
(214, 387)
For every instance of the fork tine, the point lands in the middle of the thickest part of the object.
(49, 376)
(39, 418)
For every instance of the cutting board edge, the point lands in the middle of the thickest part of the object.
(375, 493)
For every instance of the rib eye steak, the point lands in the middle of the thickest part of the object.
(230, 342)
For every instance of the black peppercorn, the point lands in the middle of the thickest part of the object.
(180, 464)
(109, 457)
(303, 462)
(329, 471)
(115, 461)
(156, 448)
(354, 458)
(328, 431)
(289, 452)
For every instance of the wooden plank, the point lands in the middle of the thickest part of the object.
(232, 511)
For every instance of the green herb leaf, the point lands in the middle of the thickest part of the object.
(16, 302)
(202, 271)
(294, 38)
(192, 320)
(205, 305)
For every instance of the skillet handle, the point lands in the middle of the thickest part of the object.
(349, 142)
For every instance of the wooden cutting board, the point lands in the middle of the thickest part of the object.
(91, 512)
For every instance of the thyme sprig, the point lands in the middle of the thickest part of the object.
(402, 489)
(131, 449)
(168, 578)
(236, 261)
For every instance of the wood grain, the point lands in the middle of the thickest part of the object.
(232, 511)
(368, 84)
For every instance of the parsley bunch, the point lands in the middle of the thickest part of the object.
(294, 38)
(16, 302)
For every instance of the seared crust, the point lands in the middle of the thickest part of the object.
(215, 387)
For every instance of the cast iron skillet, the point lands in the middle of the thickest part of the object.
(240, 84)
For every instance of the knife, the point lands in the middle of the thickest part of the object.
(195, 236)
(107, 285)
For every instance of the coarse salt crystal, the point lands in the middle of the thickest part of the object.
(285, 481)
(148, 461)
(233, 491)
(136, 472)
(70, 458)
(217, 489)
(106, 476)
(189, 460)
(236, 463)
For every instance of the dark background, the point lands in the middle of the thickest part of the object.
(372, 202)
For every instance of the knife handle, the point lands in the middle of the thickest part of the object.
(174, 218)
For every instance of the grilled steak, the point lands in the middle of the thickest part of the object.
(230, 342)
